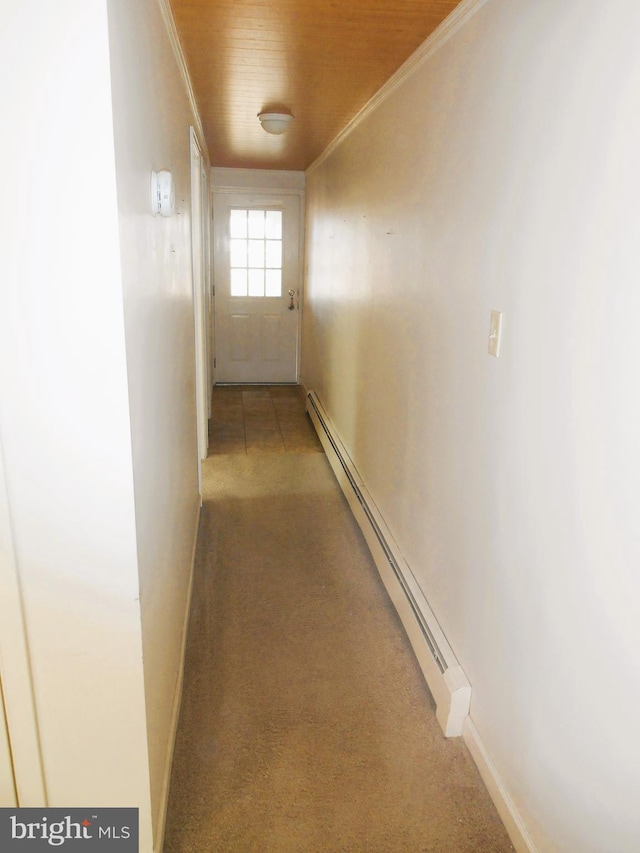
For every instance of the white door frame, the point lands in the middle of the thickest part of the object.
(199, 212)
(207, 202)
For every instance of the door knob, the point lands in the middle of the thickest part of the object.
(291, 295)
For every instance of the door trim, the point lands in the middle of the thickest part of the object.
(264, 191)
(199, 272)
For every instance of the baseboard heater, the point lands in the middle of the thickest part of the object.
(444, 675)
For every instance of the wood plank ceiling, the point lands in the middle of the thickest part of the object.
(321, 60)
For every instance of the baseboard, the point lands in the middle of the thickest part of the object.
(175, 711)
(444, 676)
(505, 806)
(442, 672)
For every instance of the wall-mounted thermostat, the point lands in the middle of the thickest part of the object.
(162, 193)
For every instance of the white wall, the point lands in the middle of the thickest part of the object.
(97, 399)
(64, 408)
(503, 173)
(152, 115)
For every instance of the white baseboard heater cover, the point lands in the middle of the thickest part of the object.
(444, 675)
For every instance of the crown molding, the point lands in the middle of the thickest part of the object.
(432, 43)
(174, 39)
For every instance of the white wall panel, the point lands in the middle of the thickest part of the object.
(64, 410)
(97, 404)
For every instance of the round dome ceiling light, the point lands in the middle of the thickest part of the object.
(275, 123)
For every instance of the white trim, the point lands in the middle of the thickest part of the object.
(505, 806)
(432, 43)
(174, 39)
(302, 235)
(15, 668)
(177, 700)
(276, 179)
(199, 215)
(447, 682)
(450, 689)
(261, 191)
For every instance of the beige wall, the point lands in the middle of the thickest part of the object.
(152, 115)
(7, 780)
(503, 173)
(97, 411)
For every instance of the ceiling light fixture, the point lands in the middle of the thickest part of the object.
(275, 123)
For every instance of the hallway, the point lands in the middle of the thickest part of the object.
(250, 419)
(306, 724)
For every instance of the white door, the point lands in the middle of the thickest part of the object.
(257, 284)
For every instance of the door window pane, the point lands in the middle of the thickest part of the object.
(255, 251)
(238, 223)
(273, 282)
(256, 223)
(273, 225)
(273, 254)
(256, 282)
(238, 282)
(238, 253)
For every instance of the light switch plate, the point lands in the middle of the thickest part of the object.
(495, 333)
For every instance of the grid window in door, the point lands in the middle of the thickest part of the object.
(256, 252)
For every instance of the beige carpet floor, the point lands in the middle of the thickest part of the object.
(306, 725)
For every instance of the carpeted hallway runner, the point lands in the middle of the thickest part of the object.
(306, 726)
